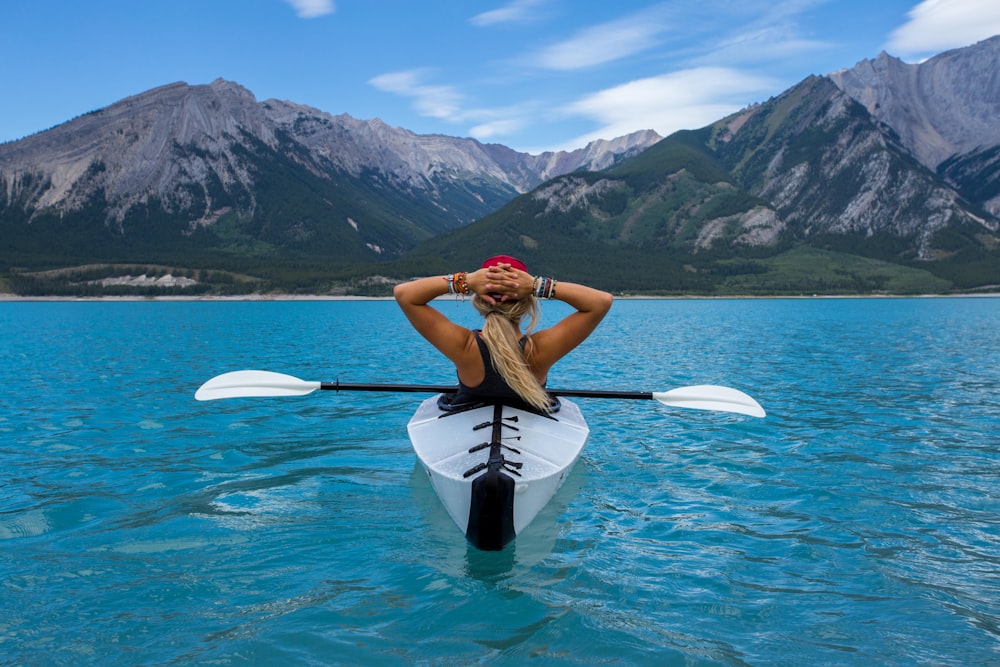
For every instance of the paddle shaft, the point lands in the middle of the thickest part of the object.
(255, 383)
(451, 389)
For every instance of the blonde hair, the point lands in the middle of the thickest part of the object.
(502, 335)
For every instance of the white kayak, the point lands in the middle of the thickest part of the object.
(495, 466)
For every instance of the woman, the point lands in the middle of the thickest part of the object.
(499, 361)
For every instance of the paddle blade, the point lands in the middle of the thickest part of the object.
(239, 384)
(711, 397)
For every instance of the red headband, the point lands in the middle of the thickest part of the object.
(505, 259)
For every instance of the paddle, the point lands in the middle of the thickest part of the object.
(239, 384)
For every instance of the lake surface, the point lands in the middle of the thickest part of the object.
(858, 524)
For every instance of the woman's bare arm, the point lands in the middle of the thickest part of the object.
(449, 338)
(552, 344)
(555, 342)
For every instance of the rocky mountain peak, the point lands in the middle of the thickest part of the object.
(128, 149)
(944, 106)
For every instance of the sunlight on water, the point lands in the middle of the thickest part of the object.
(857, 524)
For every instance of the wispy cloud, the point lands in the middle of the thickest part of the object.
(937, 25)
(448, 104)
(758, 33)
(497, 128)
(310, 9)
(436, 101)
(687, 99)
(606, 42)
(767, 30)
(759, 45)
(517, 10)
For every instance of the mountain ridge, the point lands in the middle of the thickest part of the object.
(919, 100)
(142, 128)
(207, 176)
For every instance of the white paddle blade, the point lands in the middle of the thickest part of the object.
(239, 384)
(711, 397)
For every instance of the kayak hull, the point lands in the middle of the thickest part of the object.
(495, 466)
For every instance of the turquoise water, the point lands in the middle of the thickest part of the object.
(858, 524)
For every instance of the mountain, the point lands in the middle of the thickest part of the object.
(878, 179)
(942, 107)
(208, 171)
(945, 111)
(809, 191)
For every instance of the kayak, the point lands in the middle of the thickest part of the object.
(495, 465)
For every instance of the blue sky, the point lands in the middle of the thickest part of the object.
(531, 74)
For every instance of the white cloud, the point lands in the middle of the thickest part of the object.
(496, 128)
(687, 99)
(442, 102)
(517, 10)
(605, 43)
(938, 25)
(310, 9)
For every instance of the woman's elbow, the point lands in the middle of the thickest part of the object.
(604, 302)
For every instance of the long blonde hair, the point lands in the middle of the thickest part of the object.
(502, 335)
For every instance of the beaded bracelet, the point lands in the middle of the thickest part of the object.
(458, 283)
(544, 288)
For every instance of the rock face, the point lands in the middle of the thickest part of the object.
(948, 105)
(829, 168)
(129, 151)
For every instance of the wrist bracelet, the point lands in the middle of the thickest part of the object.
(458, 283)
(543, 287)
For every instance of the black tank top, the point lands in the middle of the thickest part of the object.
(493, 385)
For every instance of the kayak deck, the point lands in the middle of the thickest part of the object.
(495, 466)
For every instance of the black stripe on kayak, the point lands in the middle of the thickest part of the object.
(491, 512)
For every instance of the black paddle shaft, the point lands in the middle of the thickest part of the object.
(451, 389)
